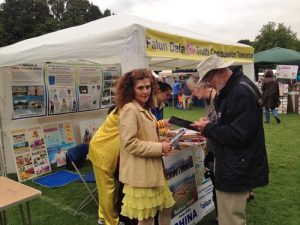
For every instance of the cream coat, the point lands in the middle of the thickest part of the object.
(141, 150)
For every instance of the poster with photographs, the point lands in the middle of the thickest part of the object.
(58, 138)
(89, 87)
(30, 153)
(61, 89)
(28, 91)
(111, 74)
(88, 128)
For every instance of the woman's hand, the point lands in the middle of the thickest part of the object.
(166, 147)
(200, 124)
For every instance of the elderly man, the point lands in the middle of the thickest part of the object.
(241, 159)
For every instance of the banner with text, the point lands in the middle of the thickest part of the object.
(159, 44)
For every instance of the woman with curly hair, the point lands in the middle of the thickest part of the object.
(141, 168)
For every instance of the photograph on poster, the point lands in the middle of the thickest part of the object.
(180, 172)
(88, 128)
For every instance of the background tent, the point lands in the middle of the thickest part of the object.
(277, 55)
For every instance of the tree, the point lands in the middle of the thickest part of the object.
(246, 42)
(276, 36)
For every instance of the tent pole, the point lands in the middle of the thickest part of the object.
(2, 156)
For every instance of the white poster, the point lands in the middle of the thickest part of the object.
(28, 91)
(89, 87)
(286, 72)
(61, 89)
(111, 74)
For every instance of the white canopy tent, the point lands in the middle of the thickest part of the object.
(133, 42)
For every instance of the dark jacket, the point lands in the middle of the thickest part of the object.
(270, 95)
(241, 158)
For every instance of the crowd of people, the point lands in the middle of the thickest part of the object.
(129, 143)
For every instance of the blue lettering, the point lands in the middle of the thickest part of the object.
(187, 218)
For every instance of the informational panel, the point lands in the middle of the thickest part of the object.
(286, 71)
(61, 88)
(88, 128)
(30, 153)
(89, 87)
(111, 74)
(192, 193)
(28, 91)
(59, 138)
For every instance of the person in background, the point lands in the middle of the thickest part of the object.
(204, 91)
(186, 96)
(161, 96)
(175, 92)
(141, 169)
(270, 95)
(241, 162)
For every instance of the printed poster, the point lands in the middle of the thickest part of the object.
(88, 128)
(28, 91)
(111, 74)
(286, 71)
(61, 89)
(30, 153)
(59, 138)
(89, 87)
(184, 170)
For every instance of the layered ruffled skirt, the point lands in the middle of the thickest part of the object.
(143, 203)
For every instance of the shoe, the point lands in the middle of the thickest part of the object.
(267, 121)
(277, 119)
(250, 197)
(101, 222)
(121, 223)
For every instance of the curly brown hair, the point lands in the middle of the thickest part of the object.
(125, 87)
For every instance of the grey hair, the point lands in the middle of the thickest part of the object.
(192, 82)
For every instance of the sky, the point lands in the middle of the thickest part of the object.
(224, 20)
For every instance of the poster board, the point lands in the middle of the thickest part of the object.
(30, 153)
(192, 193)
(60, 81)
(286, 71)
(111, 74)
(89, 87)
(28, 91)
(58, 138)
(88, 128)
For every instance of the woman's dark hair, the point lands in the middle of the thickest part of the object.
(163, 86)
(269, 73)
(125, 87)
(110, 109)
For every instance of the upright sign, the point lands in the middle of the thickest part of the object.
(286, 71)
(61, 88)
(28, 91)
(89, 87)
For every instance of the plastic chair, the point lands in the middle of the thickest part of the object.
(77, 155)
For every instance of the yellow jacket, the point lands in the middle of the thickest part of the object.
(141, 150)
(104, 148)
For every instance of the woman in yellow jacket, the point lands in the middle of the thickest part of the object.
(104, 151)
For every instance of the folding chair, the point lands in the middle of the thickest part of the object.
(77, 155)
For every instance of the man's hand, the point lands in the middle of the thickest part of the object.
(201, 123)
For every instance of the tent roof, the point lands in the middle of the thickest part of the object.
(277, 56)
(106, 40)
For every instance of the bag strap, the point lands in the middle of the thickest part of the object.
(258, 97)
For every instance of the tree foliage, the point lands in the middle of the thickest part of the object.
(273, 35)
(24, 19)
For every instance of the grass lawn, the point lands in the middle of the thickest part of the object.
(276, 204)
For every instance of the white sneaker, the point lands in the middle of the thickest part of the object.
(101, 222)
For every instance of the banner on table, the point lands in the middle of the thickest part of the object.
(30, 153)
(28, 91)
(159, 44)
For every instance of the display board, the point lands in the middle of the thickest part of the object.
(111, 74)
(193, 194)
(61, 88)
(286, 71)
(30, 153)
(59, 138)
(28, 91)
(88, 128)
(89, 87)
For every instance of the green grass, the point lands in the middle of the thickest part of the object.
(276, 204)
